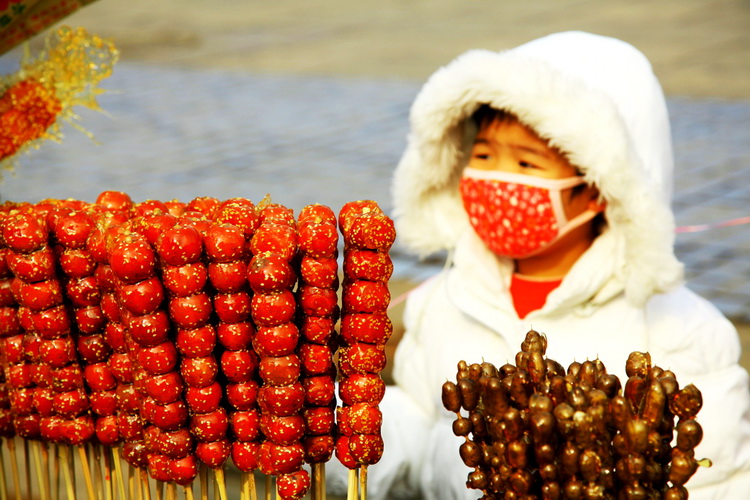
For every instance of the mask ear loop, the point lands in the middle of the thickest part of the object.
(556, 200)
(564, 226)
(573, 223)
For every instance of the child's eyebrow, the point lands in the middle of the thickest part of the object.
(542, 153)
(532, 150)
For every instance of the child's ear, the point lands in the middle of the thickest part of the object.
(597, 205)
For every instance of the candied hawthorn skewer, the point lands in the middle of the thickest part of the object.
(365, 328)
(59, 396)
(189, 309)
(131, 327)
(225, 241)
(317, 302)
(281, 395)
(76, 234)
(10, 327)
(128, 260)
(224, 246)
(110, 407)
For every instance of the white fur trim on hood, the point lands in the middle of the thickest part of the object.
(594, 98)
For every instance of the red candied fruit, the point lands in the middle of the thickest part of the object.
(243, 395)
(269, 272)
(213, 454)
(240, 214)
(192, 311)
(319, 241)
(319, 420)
(245, 455)
(317, 213)
(293, 486)
(279, 340)
(180, 245)
(204, 399)
(279, 371)
(185, 280)
(318, 449)
(114, 200)
(279, 239)
(228, 276)
(207, 205)
(24, 232)
(282, 430)
(196, 342)
(271, 309)
(275, 459)
(239, 366)
(73, 229)
(319, 272)
(224, 243)
(132, 259)
(245, 425)
(235, 336)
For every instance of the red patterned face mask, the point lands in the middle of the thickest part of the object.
(518, 215)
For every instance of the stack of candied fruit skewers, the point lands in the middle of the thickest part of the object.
(179, 336)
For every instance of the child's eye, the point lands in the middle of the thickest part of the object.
(525, 164)
(482, 156)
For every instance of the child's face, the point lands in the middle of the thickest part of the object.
(510, 146)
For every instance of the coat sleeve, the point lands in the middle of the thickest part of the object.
(693, 339)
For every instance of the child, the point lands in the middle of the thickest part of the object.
(545, 171)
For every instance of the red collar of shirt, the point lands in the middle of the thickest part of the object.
(530, 294)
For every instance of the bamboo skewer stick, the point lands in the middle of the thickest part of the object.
(131, 483)
(314, 478)
(115, 455)
(204, 482)
(322, 481)
(55, 472)
(96, 460)
(351, 493)
(27, 465)
(245, 488)
(86, 472)
(188, 489)
(159, 490)
(44, 447)
(14, 468)
(145, 488)
(318, 486)
(171, 491)
(67, 471)
(70, 456)
(221, 482)
(251, 486)
(363, 482)
(269, 488)
(109, 479)
(4, 485)
(40, 474)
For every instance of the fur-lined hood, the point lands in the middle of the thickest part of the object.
(594, 98)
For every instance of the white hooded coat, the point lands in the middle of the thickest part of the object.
(597, 100)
